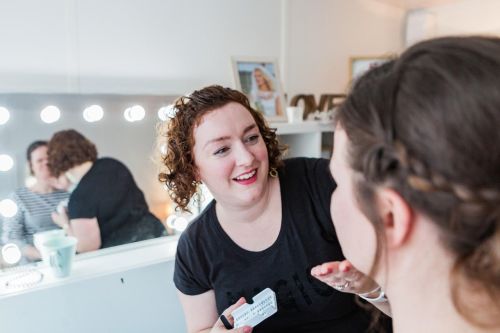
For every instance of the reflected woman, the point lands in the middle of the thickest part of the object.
(35, 204)
(106, 208)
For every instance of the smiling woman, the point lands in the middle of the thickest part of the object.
(268, 225)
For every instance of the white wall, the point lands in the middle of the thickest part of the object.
(172, 46)
(130, 46)
(462, 17)
(468, 17)
(323, 34)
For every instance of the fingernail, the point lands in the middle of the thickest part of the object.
(247, 329)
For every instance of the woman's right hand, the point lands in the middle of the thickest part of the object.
(219, 326)
(343, 276)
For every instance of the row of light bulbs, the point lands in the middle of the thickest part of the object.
(93, 113)
(52, 114)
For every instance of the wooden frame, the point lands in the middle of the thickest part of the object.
(359, 65)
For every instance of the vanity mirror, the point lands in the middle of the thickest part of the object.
(121, 126)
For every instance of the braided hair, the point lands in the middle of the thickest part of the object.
(428, 126)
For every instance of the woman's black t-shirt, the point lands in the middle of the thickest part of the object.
(207, 259)
(109, 193)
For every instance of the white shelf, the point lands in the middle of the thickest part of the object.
(302, 127)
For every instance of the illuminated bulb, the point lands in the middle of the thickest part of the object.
(178, 223)
(134, 113)
(137, 112)
(163, 149)
(50, 114)
(181, 223)
(4, 115)
(30, 181)
(8, 208)
(167, 112)
(171, 221)
(127, 116)
(6, 162)
(93, 113)
(11, 253)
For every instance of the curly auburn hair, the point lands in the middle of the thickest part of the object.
(180, 174)
(68, 149)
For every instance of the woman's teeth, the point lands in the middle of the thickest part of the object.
(246, 175)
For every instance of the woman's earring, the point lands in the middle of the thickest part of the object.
(273, 172)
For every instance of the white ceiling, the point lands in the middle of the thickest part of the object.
(413, 4)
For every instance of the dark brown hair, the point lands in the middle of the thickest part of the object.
(31, 148)
(180, 174)
(68, 149)
(428, 125)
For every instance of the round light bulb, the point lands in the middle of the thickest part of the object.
(30, 181)
(93, 113)
(166, 112)
(181, 223)
(171, 221)
(50, 114)
(137, 112)
(4, 115)
(11, 253)
(6, 162)
(8, 208)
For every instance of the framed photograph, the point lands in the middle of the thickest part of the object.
(259, 80)
(359, 65)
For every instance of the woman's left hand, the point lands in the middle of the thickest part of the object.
(61, 218)
(343, 276)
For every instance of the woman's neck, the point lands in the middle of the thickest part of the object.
(42, 187)
(419, 289)
(250, 213)
(254, 227)
(76, 173)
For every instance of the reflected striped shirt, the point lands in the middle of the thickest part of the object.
(33, 215)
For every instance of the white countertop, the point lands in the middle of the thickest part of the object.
(306, 126)
(94, 264)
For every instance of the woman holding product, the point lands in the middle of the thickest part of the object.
(268, 225)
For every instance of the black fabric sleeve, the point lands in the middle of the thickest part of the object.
(82, 206)
(322, 186)
(189, 275)
(105, 187)
(322, 181)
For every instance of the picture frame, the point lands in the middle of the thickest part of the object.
(360, 64)
(259, 79)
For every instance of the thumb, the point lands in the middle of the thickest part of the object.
(244, 329)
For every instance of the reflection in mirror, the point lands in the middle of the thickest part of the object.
(122, 127)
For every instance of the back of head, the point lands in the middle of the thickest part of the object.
(68, 149)
(428, 125)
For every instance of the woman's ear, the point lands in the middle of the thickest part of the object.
(397, 217)
(197, 177)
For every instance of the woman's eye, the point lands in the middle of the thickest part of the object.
(221, 151)
(252, 138)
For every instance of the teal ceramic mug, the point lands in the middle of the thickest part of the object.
(61, 252)
(41, 237)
